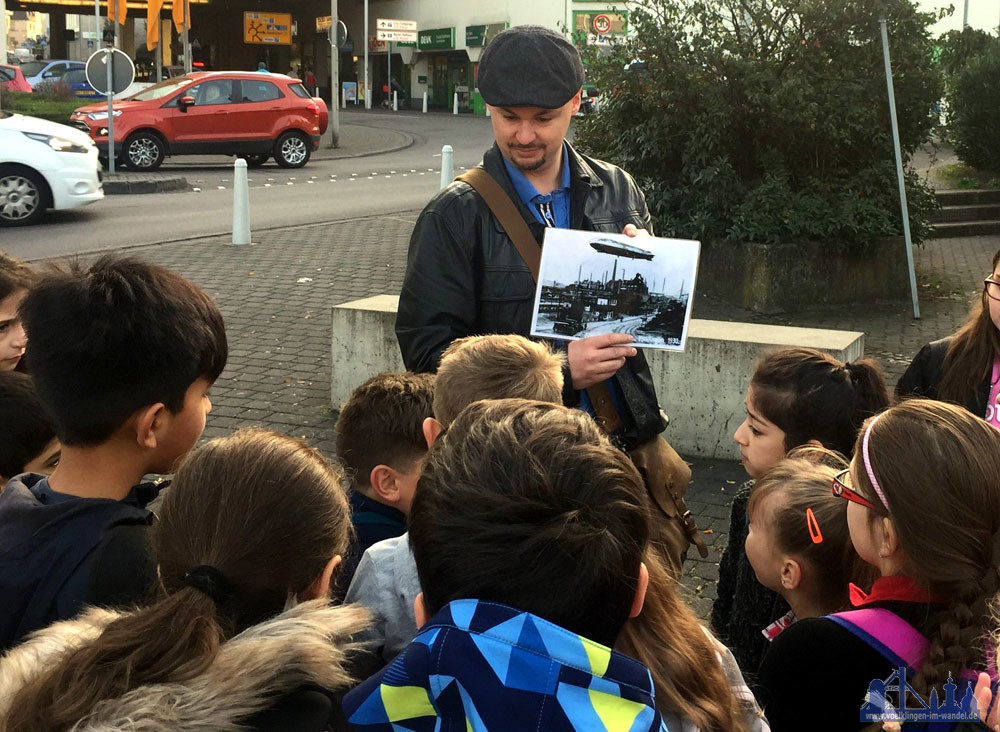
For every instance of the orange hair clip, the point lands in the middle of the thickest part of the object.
(814, 533)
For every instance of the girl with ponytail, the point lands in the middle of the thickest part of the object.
(797, 397)
(250, 534)
(924, 510)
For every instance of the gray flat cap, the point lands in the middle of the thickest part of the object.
(529, 66)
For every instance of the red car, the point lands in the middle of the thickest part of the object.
(11, 79)
(249, 114)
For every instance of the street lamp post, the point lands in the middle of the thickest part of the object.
(334, 75)
(367, 90)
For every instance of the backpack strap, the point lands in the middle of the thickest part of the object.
(898, 641)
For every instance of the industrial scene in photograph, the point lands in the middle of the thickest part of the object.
(591, 284)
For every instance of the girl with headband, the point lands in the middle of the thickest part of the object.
(923, 507)
(241, 636)
(964, 368)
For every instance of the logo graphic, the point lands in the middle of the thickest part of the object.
(877, 708)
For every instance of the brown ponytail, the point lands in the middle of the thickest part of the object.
(681, 656)
(971, 353)
(810, 395)
(937, 465)
(268, 512)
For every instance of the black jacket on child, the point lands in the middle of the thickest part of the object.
(743, 606)
(59, 553)
(923, 376)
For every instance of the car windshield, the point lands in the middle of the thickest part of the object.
(32, 68)
(158, 91)
(7, 73)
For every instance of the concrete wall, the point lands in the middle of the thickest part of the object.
(702, 389)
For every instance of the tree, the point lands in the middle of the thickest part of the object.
(975, 111)
(767, 120)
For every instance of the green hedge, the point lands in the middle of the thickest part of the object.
(26, 104)
(975, 114)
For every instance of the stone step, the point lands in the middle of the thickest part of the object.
(968, 198)
(965, 228)
(972, 212)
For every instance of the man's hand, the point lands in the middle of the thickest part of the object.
(633, 230)
(594, 359)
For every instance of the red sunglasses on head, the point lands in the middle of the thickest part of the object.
(842, 490)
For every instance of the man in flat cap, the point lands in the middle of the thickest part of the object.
(464, 275)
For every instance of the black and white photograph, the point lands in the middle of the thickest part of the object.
(593, 283)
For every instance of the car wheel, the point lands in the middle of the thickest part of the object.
(143, 151)
(256, 160)
(292, 150)
(23, 196)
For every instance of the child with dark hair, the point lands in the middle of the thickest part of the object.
(529, 530)
(241, 635)
(798, 542)
(28, 442)
(472, 368)
(797, 396)
(122, 356)
(380, 441)
(16, 278)
(923, 508)
(964, 368)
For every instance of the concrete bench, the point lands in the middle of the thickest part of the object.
(702, 389)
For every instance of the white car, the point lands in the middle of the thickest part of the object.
(44, 165)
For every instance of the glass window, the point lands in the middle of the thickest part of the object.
(75, 76)
(164, 88)
(299, 91)
(33, 68)
(7, 74)
(260, 91)
(212, 92)
(57, 70)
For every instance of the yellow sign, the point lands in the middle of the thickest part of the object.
(274, 29)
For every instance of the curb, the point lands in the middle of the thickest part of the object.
(408, 141)
(145, 185)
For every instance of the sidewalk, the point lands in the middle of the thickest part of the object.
(277, 295)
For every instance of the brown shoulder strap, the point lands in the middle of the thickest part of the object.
(513, 223)
(507, 214)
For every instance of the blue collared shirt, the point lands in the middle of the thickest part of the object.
(550, 209)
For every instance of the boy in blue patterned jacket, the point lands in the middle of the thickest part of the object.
(528, 529)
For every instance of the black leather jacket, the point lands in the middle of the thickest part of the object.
(465, 277)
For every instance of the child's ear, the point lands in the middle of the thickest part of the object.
(420, 610)
(149, 424)
(320, 588)
(382, 479)
(640, 591)
(791, 573)
(432, 428)
(888, 539)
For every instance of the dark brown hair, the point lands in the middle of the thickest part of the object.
(495, 367)
(116, 337)
(800, 483)
(810, 395)
(971, 353)
(681, 656)
(528, 504)
(25, 428)
(937, 465)
(266, 511)
(381, 423)
(15, 275)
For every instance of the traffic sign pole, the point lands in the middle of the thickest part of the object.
(109, 62)
(367, 88)
(334, 76)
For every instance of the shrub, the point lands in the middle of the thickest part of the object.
(767, 120)
(34, 106)
(975, 111)
(54, 91)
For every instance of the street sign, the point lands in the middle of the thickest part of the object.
(122, 71)
(392, 24)
(393, 36)
(272, 29)
(602, 24)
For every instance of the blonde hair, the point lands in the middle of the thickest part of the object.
(495, 367)
(803, 484)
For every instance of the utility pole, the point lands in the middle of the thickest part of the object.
(187, 37)
(367, 89)
(3, 35)
(965, 16)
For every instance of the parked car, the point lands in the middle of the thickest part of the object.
(52, 70)
(44, 165)
(77, 80)
(11, 79)
(239, 113)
